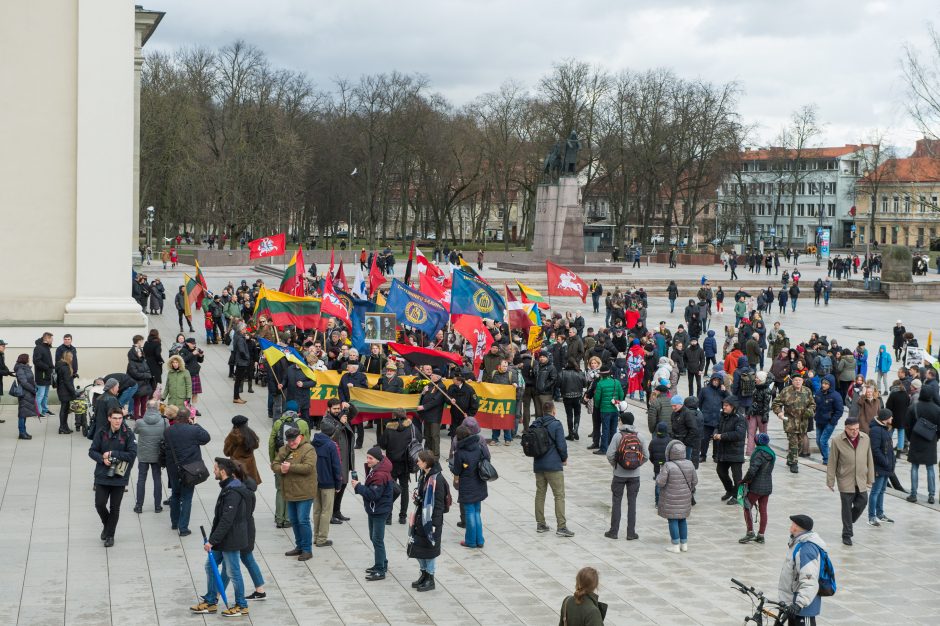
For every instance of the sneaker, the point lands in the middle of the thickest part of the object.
(684, 547)
(632, 537)
(257, 595)
(674, 548)
(749, 537)
(507, 443)
(930, 500)
(564, 532)
(325, 543)
(732, 501)
(610, 534)
(204, 607)
(884, 519)
(185, 532)
(593, 447)
(373, 576)
(911, 498)
(542, 528)
(873, 522)
(847, 541)
(725, 496)
(158, 509)
(333, 520)
(138, 509)
(236, 611)
(461, 524)
(600, 452)
(759, 539)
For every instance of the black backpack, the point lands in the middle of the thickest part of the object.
(536, 441)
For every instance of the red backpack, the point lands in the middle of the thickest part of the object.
(629, 453)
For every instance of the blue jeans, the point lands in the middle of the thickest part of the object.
(900, 432)
(672, 305)
(248, 560)
(473, 535)
(181, 503)
(608, 426)
(826, 295)
(377, 537)
(231, 567)
(678, 531)
(507, 435)
(21, 425)
(299, 515)
(822, 440)
(427, 565)
(793, 303)
(931, 480)
(876, 499)
(42, 398)
(127, 396)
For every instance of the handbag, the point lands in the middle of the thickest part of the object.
(16, 390)
(161, 455)
(191, 474)
(485, 470)
(924, 428)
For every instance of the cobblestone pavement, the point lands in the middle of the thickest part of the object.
(56, 570)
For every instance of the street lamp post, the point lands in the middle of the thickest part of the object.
(150, 227)
(819, 228)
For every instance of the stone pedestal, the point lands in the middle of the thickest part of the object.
(896, 265)
(559, 222)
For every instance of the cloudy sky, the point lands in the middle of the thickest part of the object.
(843, 55)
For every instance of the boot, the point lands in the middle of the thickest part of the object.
(428, 584)
(420, 580)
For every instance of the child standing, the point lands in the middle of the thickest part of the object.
(210, 327)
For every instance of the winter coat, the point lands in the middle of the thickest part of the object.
(432, 399)
(694, 359)
(752, 351)
(394, 440)
(27, 403)
(123, 447)
(882, 449)
(329, 470)
(230, 524)
(138, 370)
(377, 491)
(571, 383)
(898, 402)
(149, 432)
(743, 368)
(850, 468)
(844, 368)
(236, 448)
(65, 385)
(620, 472)
(154, 358)
(102, 408)
(762, 398)
(922, 451)
(421, 546)
(799, 577)
(545, 378)
(607, 390)
(760, 471)
(883, 360)
(684, 428)
(467, 456)
(660, 409)
(191, 360)
(62, 349)
(588, 613)
(241, 350)
(710, 399)
(829, 408)
(557, 453)
(676, 480)
(866, 410)
(179, 384)
(733, 431)
(183, 445)
(710, 346)
(43, 363)
(300, 395)
(300, 481)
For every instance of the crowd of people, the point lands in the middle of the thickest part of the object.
(735, 383)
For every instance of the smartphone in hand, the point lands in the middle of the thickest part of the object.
(355, 475)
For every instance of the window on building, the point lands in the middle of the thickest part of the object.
(884, 234)
(811, 210)
(884, 204)
(896, 204)
(933, 202)
(800, 231)
(705, 211)
(894, 234)
(907, 204)
(800, 210)
(832, 210)
(812, 189)
(874, 202)
(861, 233)
(801, 189)
(830, 188)
(920, 237)
(933, 233)
(762, 166)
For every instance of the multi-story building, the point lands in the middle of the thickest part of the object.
(814, 188)
(904, 195)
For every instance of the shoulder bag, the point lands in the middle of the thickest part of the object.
(191, 474)
(924, 428)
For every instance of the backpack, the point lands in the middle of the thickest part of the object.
(635, 364)
(747, 384)
(827, 573)
(629, 453)
(280, 438)
(536, 441)
(414, 447)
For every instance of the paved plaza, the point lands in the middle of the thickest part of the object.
(55, 570)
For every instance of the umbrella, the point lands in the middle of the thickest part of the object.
(426, 356)
(215, 569)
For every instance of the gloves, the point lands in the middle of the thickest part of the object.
(788, 610)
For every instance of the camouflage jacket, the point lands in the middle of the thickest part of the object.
(798, 408)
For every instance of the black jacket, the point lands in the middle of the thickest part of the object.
(694, 359)
(230, 527)
(153, 356)
(66, 386)
(391, 385)
(241, 350)
(571, 382)
(138, 370)
(62, 349)
(465, 398)
(684, 428)
(433, 402)
(421, 546)
(394, 440)
(733, 431)
(278, 376)
(357, 379)
(300, 395)
(42, 363)
(467, 457)
(545, 378)
(122, 446)
(191, 360)
(923, 451)
(183, 445)
(4, 371)
(103, 405)
(882, 449)
(759, 476)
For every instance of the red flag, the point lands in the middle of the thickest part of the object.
(473, 330)
(268, 246)
(376, 278)
(434, 290)
(411, 258)
(293, 282)
(564, 282)
(340, 279)
(515, 313)
(332, 306)
(427, 267)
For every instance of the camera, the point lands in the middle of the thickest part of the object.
(112, 468)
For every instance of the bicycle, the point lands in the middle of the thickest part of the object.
(758, 600)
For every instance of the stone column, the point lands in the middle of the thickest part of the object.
(104, 166)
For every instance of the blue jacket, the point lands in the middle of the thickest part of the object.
(329, 472)
(557, 454)
(829, 406)
(710, 345)
(882, 449)
(816, 383)
(882, 360)
(710, 399)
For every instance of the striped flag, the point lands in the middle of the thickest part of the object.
(293, 281)
(531, 295)
(373, 404)
(516, 315)
(284, 309)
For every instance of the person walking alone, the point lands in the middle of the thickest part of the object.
(114, 451)
(798, 586)
(852, 469)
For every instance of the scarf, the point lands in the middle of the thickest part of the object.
(427, 510)
(768, 451)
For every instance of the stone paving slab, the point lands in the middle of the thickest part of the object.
(56, 571)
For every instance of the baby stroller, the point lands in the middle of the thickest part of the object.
(261, 372)
(84, 407)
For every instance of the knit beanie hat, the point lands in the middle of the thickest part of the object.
(762, 439)
(376, 453)
(676, 400)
